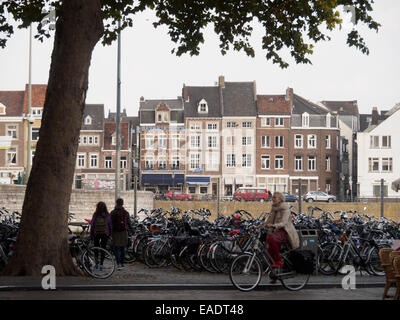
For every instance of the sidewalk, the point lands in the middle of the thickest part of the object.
(138, 276)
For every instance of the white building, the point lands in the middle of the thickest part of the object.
(379, 157)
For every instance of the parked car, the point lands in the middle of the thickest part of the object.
(251, 194)
(290, 197)
(177, 195)
(318, 196)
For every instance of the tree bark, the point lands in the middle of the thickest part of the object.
(42, 238)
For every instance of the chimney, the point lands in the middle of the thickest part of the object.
(289, 97)
(185, 93)
(221, 81)
(141, 99)
(375, 116)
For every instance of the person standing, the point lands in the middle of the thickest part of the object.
(280, 229)
(100, 231)
(120, 224)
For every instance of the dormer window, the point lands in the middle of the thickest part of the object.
(88, 120)
(203, 106)
(2, 108)
(328, 120)
(305, 119)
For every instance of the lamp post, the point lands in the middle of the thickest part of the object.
(117, 130)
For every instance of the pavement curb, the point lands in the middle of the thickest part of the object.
(179, 287)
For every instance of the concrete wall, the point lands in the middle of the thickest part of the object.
(391, 210)
(83, 202)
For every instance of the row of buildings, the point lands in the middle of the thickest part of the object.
(213, 139)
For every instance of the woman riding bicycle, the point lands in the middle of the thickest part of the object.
(280, 229)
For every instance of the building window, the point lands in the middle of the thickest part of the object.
(194, 161)
(265, 162)
(203, 107)
(328, 141)
(108, 162)
(94, 158)
(305, 120)
(279, 122)
(35, 134)
(377, 190)
(298, 141)
(246, 124)
(246, 160)
(212, 160)
(149, 142)
(279, 162)
(12, 131)
(175, 163)
(266, 122)
(81, 160)
(298, 163)
(230, 160)
(212, 141)
(12, 156)
(386, 142)
(373, 164)
(374, 142)
(387, 164)
(195, 141)
(328, 163)
(230, 140)
(162, 141)
(246, 141)
(149, 163)
(88, 120)
(212, 126)
(175, 141)
(159, 117)
(265, 142)
(312, 141)
(123, 162)
(279, 141)
(195, 126)
(231, 124)
(162, 163)
(312, 163)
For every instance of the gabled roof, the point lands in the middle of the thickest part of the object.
(13, 101)
(38, 96)
(109, 131)
(239, 99)
(273, 105)
(195, 94)
(301, 105)
(343, 107)
(151, 105)
(96, 112)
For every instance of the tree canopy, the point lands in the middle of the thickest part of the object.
(293, 24)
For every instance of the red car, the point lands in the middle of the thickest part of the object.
(177, 195)
(251, 194)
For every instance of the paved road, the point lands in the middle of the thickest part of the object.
(307, 294)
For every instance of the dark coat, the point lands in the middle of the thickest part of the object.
(119, 238)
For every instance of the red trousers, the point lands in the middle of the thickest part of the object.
(274, 241)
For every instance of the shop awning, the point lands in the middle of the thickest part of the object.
(239, 180)
(197, 180)
(156, 178)
(179, 178)
(228, 180)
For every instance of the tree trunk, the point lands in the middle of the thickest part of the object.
(42, 237)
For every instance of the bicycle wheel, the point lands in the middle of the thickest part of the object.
(222, 257)
(289, 278)
(245, 272)
(374, 262)
(326, 258)
(92, 262)
(204, 258)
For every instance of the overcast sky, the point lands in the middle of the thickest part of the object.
(149, 69)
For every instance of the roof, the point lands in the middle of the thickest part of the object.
(301, 105)
(38, 96)
(173, 104)
(13, 101)
(273, 104)
(96, 112)
(195, 94)
(343, 107)
(109, 130)
(239, 99)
